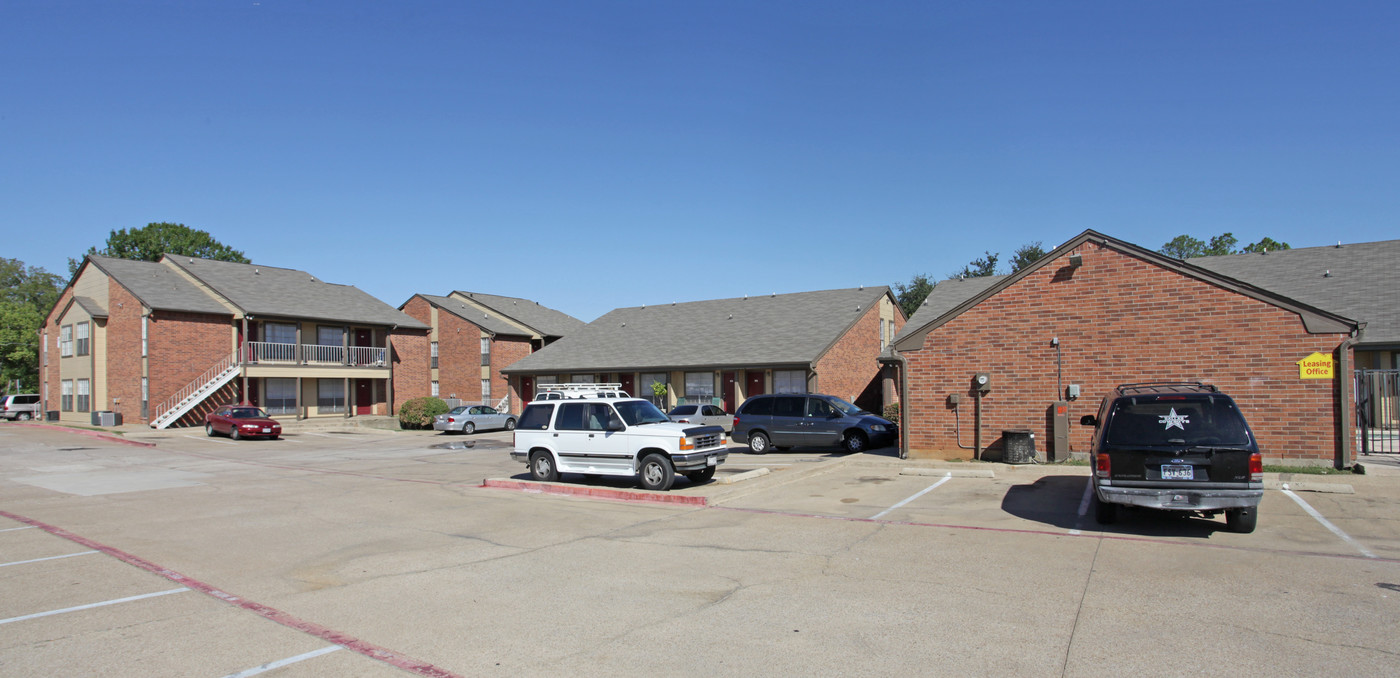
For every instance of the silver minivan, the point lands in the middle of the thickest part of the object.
(21, 406)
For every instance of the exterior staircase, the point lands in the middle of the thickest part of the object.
(186, 398)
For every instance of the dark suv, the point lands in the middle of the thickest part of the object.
(809, 420)
(1178, 447)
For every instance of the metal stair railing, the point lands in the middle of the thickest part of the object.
(177, 405)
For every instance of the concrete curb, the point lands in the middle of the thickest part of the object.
(951, 473)
(596, 492)
(740, 477)
(1327, 488)
(91, 434)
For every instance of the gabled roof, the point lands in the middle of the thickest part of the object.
(91, 306)
(1357, 281)
(158, 286)
(783, 329)
(944, 297)
(494, 323)
(546, 321)
(1314, 319)
(284, 292)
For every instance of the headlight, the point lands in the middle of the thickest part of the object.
(879, 428)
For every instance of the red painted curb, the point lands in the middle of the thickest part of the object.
(329, 635)
(91, 434)
(595, 492)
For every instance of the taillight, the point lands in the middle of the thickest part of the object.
(1256, 468)
(682, 420)
(1101, 465)
(451, 420)
(736, 420)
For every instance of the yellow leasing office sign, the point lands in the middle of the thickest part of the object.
(1315, 366)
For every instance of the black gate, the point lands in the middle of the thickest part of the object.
(1378, 411)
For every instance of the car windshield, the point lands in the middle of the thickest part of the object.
(247, 413)
(636, 412)
(845, 407)
(1176, 420)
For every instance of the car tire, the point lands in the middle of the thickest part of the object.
(656, 472)
(24, 416)
(1242, 520)
(510, 424)
(758, 443)
(1104, 512)
(855, 442)
(469, 428)
(702, 475)
(209, 430)
(542, 467)
(233, 433)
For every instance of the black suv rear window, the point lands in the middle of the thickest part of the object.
(1176, 420)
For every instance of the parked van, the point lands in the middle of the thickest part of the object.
(21, 406)
(809, 420)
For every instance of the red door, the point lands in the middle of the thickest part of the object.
(627, 382)
(754, 385)
(726, 386)
(364, 396)
(527, 389)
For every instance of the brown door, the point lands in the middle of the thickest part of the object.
(364, 396)
(527, 389)
(726, 386)
(754, 384)
(628, 382)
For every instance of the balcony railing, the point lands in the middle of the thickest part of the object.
(268, 353)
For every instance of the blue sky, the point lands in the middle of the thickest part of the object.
(591, 155)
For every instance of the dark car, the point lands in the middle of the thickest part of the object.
(792, 420)
(1176, 447)
(241, 421)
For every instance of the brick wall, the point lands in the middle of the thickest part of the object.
(459, 357)
(411, 372)
(1119, 319)
(123, 353)
(850, 367)
(506, 351)
(181, 348)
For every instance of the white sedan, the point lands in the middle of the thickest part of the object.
(705, 415)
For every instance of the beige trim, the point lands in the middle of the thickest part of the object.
(169, 262)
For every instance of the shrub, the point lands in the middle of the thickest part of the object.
(892, 412)
(418, 413)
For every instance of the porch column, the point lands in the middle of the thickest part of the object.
(349, 399)
(301, 414)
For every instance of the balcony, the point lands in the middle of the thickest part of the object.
(267, 353)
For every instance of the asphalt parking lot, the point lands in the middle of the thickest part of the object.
(362, 553)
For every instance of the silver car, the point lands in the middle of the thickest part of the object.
(706, 415)
(473, 418)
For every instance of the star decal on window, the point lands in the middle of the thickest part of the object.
(1174, 420)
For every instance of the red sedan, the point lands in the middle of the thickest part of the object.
(241, 421)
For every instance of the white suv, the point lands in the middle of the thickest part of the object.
(615, 437)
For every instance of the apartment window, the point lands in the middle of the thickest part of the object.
(330, 336)
(789, 381)
(485, 389)
(582, 379)
(145, 397)
(45, 350)
(485, 350)
(330, 395)
(280, 396)
(67, 399)
(84, 395)
(436, 389)
(433, 347)
(82, 336)
(65, 341)
(279, 333)
(145, 341)
(700, 384)
(645, 384)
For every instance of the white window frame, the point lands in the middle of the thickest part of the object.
(700, 384)
(789, 381)
(485, 390)
(437, 390)
(82, 338)
(83, 401)
(145, 336)
(65, 341)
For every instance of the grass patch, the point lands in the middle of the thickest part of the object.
(1307, 470)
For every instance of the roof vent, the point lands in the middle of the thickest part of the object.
(1339, 244)
(773, 294)
(256, 272)
(1327, 273)
(731, 316)
(861, 287)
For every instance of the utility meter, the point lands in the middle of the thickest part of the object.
(982, 380)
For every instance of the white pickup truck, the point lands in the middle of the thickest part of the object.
(615, 437)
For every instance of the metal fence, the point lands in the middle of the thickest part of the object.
(1377, 397)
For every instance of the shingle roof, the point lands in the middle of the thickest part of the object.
(90, 305)
(158, 286)
(1356, 281)
(944, 297)
(269, 291)
(491, 322)
(544, 320)
(783, 329)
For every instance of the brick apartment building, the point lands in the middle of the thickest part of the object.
(474, 335)
(726, 350)
(1097, 312)
(165, 342)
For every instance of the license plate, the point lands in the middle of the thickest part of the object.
(1178, 472)
(711, 460)
(267, 430)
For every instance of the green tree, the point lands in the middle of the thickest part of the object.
(1183, 247)
(910, 296)
(1221, 244)
(1266, 245)
(27, 293)
(151, 241)
(1186, 247)
(1026, 255)
(982, 266)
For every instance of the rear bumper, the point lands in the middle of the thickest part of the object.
(1179, 499)
(520, 455)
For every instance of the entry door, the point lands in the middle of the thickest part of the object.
(628, 383)
(364, 396)
(754, 384)
(726, 387)
(527, 391)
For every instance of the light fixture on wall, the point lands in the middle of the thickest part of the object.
(1076, 260)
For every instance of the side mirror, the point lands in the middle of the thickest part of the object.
(834, 415)
(1089, 420)
(615, 423)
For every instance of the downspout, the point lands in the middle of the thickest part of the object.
(903, 404)
(1344, 382)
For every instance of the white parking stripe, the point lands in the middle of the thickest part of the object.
(40, 560)
(212, 440)
(1327, 523)
(1084, 506)
(12, 529)
(283, 662)
(926, 490)
(36, 615)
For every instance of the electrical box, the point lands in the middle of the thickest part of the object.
(954, 398)
(1072, 392)
(983, 381)
(1059, 432)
